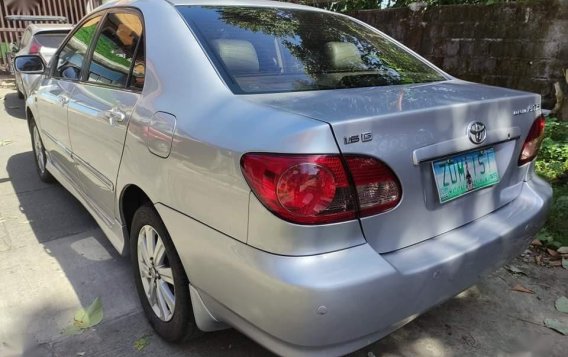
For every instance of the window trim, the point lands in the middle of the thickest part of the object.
(128, 84)
(92, 47)
(52, 65)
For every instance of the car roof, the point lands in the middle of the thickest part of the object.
(250, 3)
(35, 28)
(263, 3)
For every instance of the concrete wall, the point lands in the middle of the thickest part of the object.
(522, 46)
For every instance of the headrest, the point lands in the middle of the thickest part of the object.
(239, 56)
(343, 56)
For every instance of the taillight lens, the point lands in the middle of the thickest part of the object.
(533, 141)
(35, 47)
(315, 189)
(378, 189)
(306, 189)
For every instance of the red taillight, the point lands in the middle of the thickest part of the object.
(315, 189)
(35, 47)
(533, 141)
(378, 189)
(307, 189)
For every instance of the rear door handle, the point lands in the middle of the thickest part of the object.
(115, 115)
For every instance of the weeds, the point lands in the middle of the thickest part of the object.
(552, 164)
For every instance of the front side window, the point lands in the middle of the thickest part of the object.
(261, 49)
(70, 60)
(115, 49)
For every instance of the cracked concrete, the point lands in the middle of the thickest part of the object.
(54, 259)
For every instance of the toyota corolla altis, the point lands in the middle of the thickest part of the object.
(287, 171)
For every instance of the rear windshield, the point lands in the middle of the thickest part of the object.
(259, 49)
(51, 39)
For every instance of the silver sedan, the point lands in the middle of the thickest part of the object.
(42, 40)
(283, 170)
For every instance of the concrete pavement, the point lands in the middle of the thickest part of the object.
(54, 260)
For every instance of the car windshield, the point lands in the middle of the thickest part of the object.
(260, 49)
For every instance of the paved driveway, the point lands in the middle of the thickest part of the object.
(54, 259)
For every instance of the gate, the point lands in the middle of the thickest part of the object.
(11, 28)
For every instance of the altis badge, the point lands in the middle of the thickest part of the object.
(529, 109)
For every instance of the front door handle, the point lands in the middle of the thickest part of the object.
(115, 115)
(63, 99)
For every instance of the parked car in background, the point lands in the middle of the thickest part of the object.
(288, 171)
(42, 40)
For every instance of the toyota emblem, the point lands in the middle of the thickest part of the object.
(476, 132)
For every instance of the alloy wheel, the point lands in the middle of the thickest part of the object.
(156, 273)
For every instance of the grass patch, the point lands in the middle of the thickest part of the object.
(552, 164)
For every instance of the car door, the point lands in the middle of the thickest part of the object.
(102, 104)
(54, 92)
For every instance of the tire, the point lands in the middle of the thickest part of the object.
(173, 325)
(20, 93)
(40, 158)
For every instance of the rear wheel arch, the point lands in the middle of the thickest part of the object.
(137, 210)
(132, 198)
(30, 117)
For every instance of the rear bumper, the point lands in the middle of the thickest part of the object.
(335, 303)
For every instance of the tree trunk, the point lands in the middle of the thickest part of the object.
(560, 109)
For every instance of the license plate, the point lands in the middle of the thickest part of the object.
(464, 173)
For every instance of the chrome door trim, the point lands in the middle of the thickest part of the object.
(113, 229)
(58, 143)
(102, 178)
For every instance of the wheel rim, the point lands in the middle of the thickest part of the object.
(156, 273)
(38, 148)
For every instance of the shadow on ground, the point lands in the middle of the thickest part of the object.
(14, 106)
(57, 260)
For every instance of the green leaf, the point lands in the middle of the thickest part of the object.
(72, 330)
(90, 316)
(556, 326)
(141, 343)
(562, 304)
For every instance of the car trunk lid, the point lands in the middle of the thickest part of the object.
(412, 126)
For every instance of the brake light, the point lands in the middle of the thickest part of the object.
(315, 189)
(35, 47)
(307, 189)
(533, 141)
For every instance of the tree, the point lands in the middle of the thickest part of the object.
(353, 5)
(560, 109)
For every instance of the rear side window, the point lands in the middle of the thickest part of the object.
(50, 39)
(261, 49)
(115, 49)
(69, 62)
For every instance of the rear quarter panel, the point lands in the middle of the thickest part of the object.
(202, 177)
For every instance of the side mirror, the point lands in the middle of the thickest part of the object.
(29, 64)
